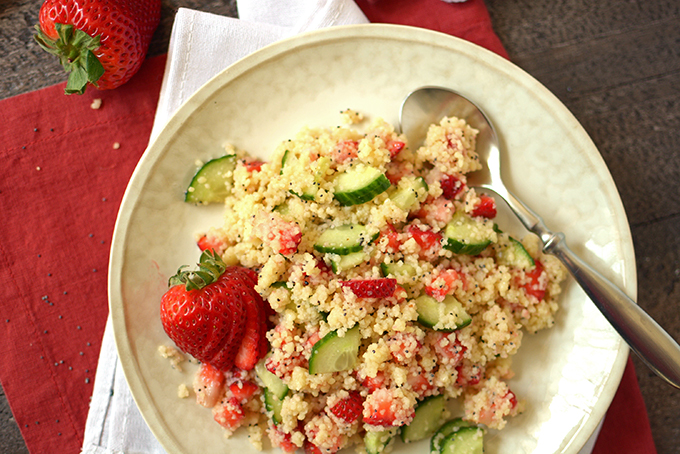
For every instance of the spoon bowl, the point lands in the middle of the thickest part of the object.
(428, 105)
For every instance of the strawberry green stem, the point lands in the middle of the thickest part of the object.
(210, 268)
(75, 50)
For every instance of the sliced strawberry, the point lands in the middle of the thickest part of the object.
(486, 207)
(207, 322)
(350, 408)
(372, 288)
(249, 352)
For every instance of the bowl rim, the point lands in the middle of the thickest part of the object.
(159, 144)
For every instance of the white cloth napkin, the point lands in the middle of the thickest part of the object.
(211, 43)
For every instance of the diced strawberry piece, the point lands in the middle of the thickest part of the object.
(211, 241)
(345, 150)
(443, 284)
(537, 284)
(253, 166)
(282, 236)
(394, 147)
(426, 239)
(451, 186)
(486, 207)
(373, 383)
(284, 442)
(243, 390)
(403, 346)
(392, 236)
(512, 398)
(469, 374)
(498, 407)
(421, 383)
(350, 408)
(229, 414)
(372, 288)
(448, 347)
(311, 448)
(208, 385)
(381, 408)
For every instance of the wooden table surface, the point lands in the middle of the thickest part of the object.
(614, 63)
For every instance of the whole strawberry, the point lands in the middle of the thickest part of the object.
(215, 314)
(100, 42)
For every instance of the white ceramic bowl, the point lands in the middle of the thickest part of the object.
(567, 375)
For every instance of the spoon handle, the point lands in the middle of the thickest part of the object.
(644, 336)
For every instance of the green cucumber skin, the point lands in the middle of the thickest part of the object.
(196, 194)
(520, 257)
(364, 194)
(457, 236)
(273, 404)
(445, 430)
(459, 247)
(426, 420)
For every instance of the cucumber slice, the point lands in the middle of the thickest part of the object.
(512, 253)
(344, 239)
(274, 384)
(407, 196)
(397, 269)
(376, 442)
(340, 263)
(273, 404)
(467, 440)
(212, 183)
(447, 316)
(333, 353)
(426, 420)
(465, 235)
(444, 431)
(359, 185)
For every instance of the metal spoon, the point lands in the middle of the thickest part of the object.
(645, 337)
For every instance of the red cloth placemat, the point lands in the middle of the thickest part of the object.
(62, 182)
(66, 169)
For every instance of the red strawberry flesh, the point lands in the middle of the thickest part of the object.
(372, 288)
